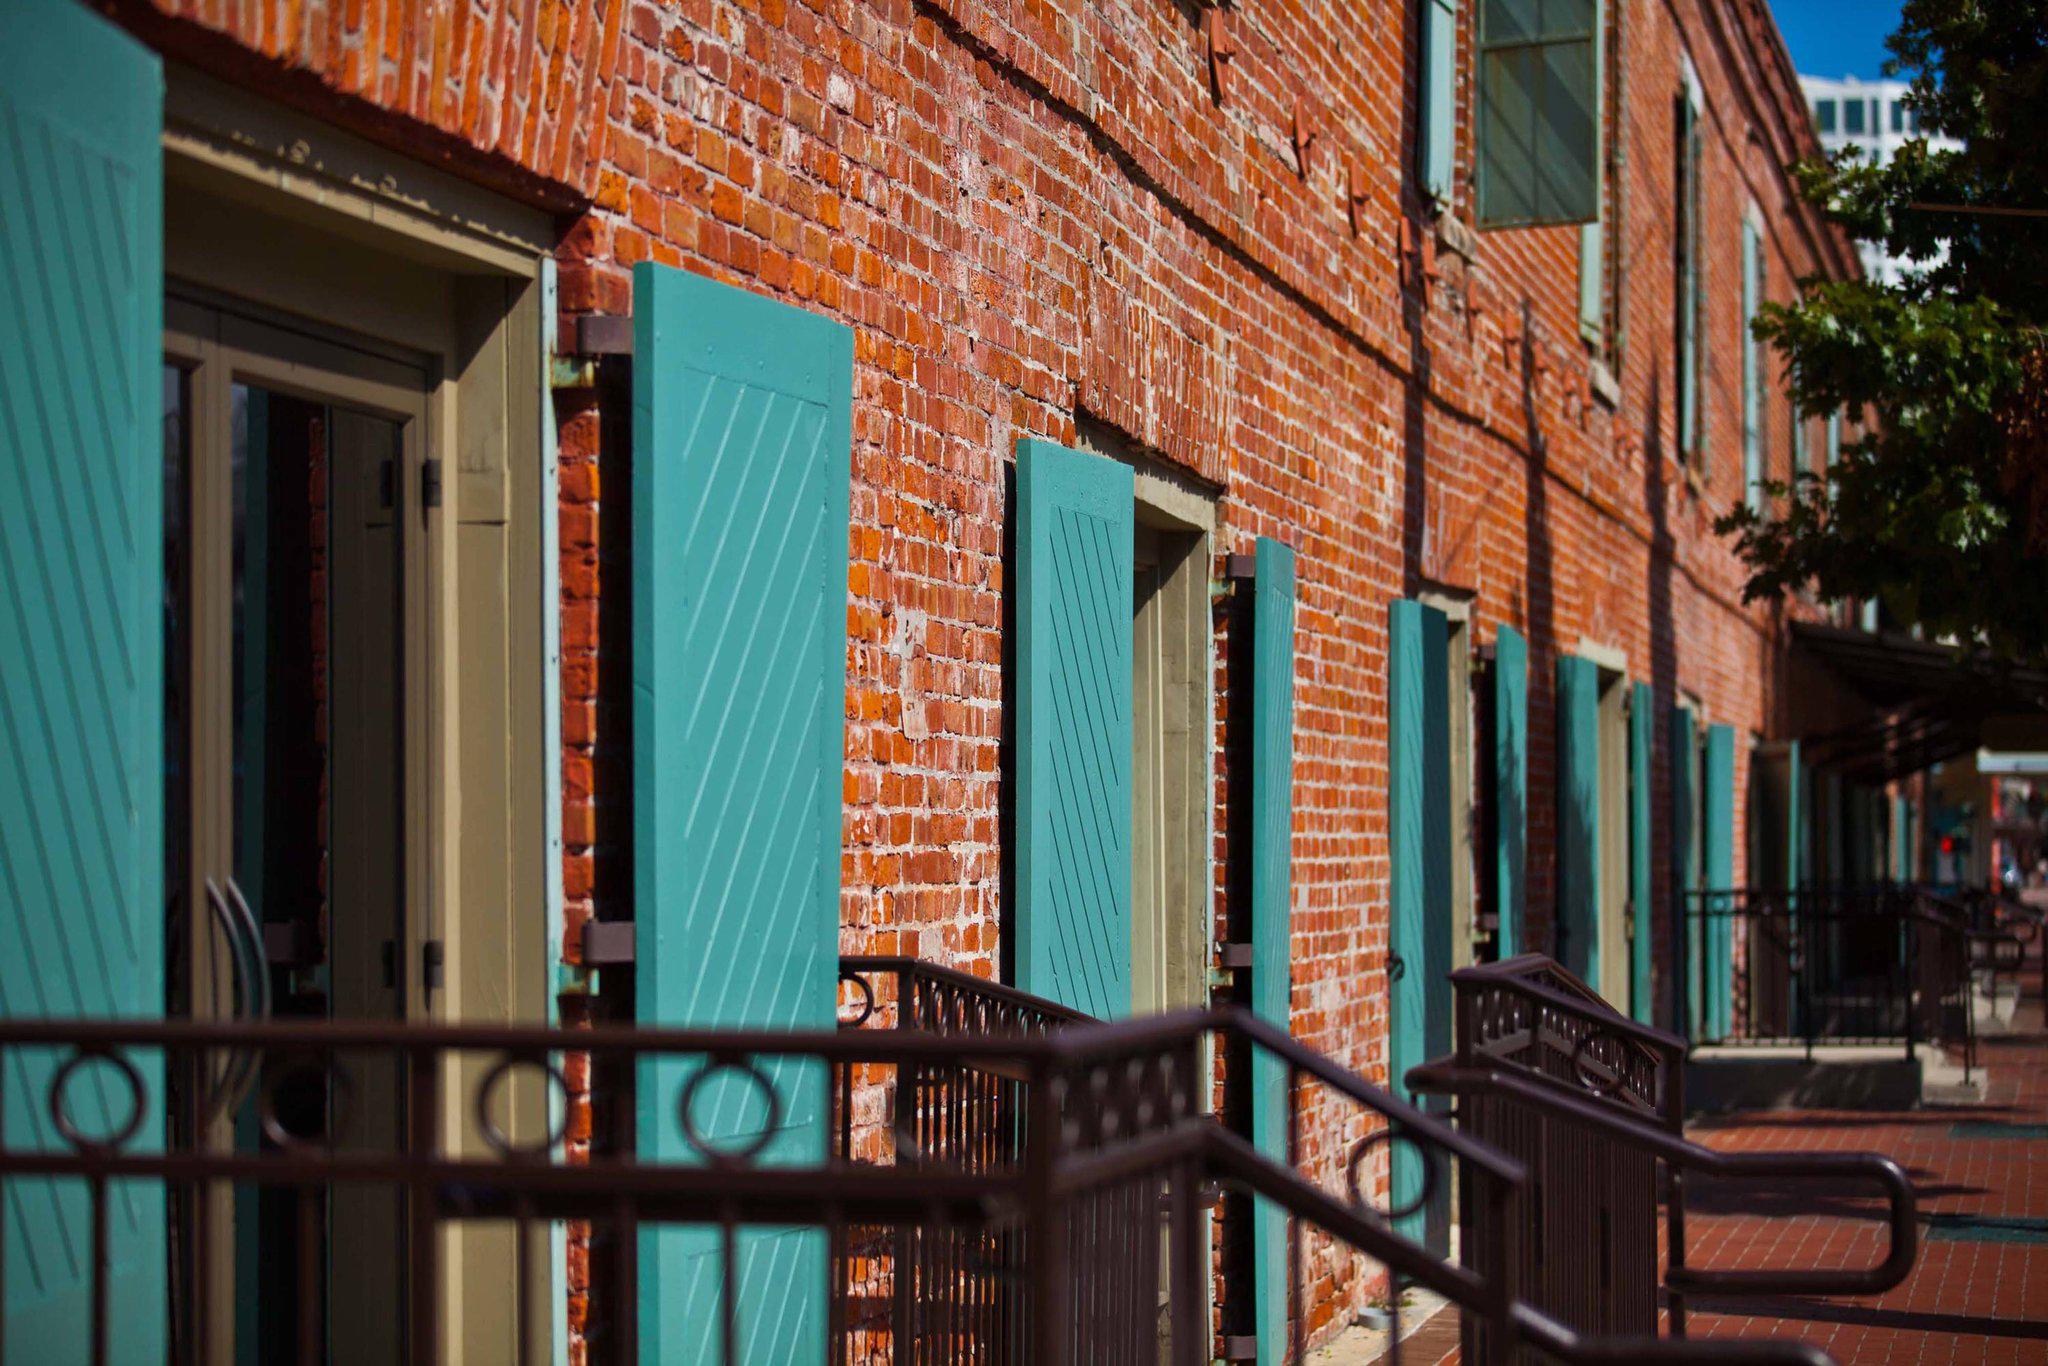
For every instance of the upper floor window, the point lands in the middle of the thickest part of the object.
(1898, 117)
(1852, 116)
(1824, 115)
(1538, 134)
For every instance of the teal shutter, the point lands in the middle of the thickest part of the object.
(1752, 368)
(1578, 817)
(1691, 418)
(1592, 235)
(1419, 798)
(742, 448)
(1439, 97)
(1272, 855)
(1510, 782)
(1539, 113)
(1073, 868)
(1685, 878)
(81, 674)
(1642, 974)
(1720, 874)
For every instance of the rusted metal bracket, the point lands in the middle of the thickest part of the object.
(1222, 50)
(1306, 136)
(597, 335)
(607, 943)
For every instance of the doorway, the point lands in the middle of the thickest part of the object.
(295, 608)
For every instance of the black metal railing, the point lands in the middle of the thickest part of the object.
(1888, 963)
(1592, 1104)
(996, 1180)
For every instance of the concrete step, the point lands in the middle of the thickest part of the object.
(1789, 1076)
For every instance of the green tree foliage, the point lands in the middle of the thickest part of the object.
(1934, 505)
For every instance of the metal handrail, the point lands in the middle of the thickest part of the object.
(1092, 1042)
(1902, 1218)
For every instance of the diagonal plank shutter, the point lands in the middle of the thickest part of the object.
(1685, 857)
(741, 468)
(81, 675)
(1272, 853)
(1510, 782)
(1642, 974)
(1578, 817)
(1419, 797)
(1074, 534)
(1719, 875)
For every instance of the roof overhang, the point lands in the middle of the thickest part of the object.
(1930, 703)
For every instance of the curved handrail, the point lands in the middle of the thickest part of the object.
(907, 967)
(1902, 1215)
(1231, 1159)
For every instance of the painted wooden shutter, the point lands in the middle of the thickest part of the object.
(1272, 855)
(81, 673)
(1691, 415)
(1539, 112)
(1902, 839)
(1419, 800)
(742, 445)
(1074, 536)
(1752, 367)
(1578, 817)
(1510, 783)
(1439, 97)
(1642, 973)
(1719, 833)
(1685, 877)
(1592, 235)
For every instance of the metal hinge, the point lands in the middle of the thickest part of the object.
(432, 959)
(430, 483)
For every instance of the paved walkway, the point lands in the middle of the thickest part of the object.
(1979, 1290)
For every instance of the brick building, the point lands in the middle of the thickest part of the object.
(1240, 286)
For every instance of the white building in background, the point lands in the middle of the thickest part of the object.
(1871, 116)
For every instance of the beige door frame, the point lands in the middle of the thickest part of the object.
(340, 244)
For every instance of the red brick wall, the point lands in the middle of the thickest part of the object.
(1033, 209)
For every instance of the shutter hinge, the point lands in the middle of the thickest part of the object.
(432, 959)
(430, 483)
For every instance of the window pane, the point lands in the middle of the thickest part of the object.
(1824, 115)
(1536, 135)
(1852, 116)
(1898, 117)
(1522, 21)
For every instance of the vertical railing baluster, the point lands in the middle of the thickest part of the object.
(729, 1287)
(311, 1315)
(626, 1294)
(522, 1254)
(423, 1127)
(100, 1257)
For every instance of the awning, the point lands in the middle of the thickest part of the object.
(1931, 701)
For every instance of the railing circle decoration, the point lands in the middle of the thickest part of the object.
(715, 1152)
(867, 994)
(1387, 1138)
(501, 1142)
(338, 1093)
(117, 1136)
(1589, 1078)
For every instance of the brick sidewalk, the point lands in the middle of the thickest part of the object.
(1979, 1289)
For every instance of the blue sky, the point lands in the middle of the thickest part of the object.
(1837, 37)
